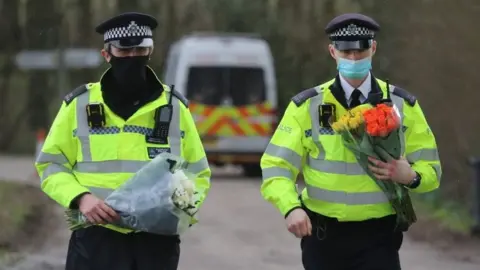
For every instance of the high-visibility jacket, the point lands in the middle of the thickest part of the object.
(76, 158)
(335, 184)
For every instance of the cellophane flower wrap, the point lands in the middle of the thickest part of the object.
(374, 131)
(161, 198)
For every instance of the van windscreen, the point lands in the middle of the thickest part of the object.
(226, 85)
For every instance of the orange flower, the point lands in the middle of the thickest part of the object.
(381, 120)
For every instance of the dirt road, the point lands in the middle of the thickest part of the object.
(237, 231)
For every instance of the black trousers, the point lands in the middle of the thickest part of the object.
(99, 248)
(366, 245)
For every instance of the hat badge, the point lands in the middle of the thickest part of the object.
(133, 28)
(352, 28)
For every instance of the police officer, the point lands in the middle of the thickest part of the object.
(106, 131)
(343, 219)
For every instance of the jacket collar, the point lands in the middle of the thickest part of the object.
(152, 79)
(125, 104)
(374, 96)
(364, 88)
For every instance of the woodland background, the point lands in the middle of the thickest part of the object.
(429, 47)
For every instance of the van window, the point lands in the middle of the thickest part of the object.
(214, 85)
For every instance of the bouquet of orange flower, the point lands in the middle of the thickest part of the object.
(375, 131)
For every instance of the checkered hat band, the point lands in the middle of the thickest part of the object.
(125, 32)
(353, 30)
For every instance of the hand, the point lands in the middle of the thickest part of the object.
(298, 223)
(96, 211)
(398, 171)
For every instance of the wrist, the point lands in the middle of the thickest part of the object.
(412, 176)
(415, 181)
(75, 203)
(291, 210)
(82, 197)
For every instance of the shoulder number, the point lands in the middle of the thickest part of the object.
(75, 93)
(303, 96)
(407, 96)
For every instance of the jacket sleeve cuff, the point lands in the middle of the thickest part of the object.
(429, 180)
(415, 182)
(291, 210)
(74, 203)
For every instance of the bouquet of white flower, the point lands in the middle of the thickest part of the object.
(160, 198)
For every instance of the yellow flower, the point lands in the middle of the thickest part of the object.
(352, 123)
(352, 119)
(337, 126)
(355, 120)
(360, 108)
(342, 123)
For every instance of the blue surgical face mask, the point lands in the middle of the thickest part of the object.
(354, 69)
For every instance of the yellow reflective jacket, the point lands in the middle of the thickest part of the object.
(76, 158)
(336, 185)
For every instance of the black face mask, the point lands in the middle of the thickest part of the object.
(130, 72)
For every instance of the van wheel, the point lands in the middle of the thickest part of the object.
(252, 170)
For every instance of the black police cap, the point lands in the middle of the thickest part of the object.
(127, 30)
(352, 31)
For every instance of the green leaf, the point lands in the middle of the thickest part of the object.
(383, 154)
(390, 144)
(366, 146)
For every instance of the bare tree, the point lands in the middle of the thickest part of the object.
(10, 33)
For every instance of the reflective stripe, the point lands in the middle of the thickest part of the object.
(104, 130)
(315, 102)
(338, 167)
(116, 130)
(110, 166)
(83, 130)
(51, 158)
(138, 129)
(174, 133)
(284, 153)
(55, 166)
(271, 172)
(82, 126)
(199, 166)
(438, 170)
(398, 102)
(358, 198)
(341, 167)
(52, 169)
(335, 166)
(426, 154)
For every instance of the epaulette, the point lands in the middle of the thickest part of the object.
(180, 97)
(75, 93)
(303, 96)
(407, 96)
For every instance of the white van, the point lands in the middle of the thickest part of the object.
(229, 80)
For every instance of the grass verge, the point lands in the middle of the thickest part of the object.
(445, 225)
(450, 216)
(22, 209)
